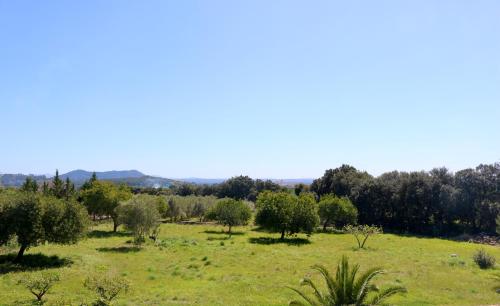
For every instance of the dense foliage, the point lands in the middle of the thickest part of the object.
(436, 202)
(337, 211)
(238, 187)
(102, 198)
(35, 219)
(285, 213)
(230, 212)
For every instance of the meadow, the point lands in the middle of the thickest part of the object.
(201, 265)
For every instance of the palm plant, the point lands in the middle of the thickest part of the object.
(344, 288)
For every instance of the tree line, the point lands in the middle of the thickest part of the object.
(437, 202)
(238, 187)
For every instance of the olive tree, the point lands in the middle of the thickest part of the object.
(337, 211)
(285, 213)
(230, 212)
(139, 215)
(39, 283)
(362, 233)
(107, 286)
(35, 219)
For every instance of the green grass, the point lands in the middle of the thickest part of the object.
(196, 264)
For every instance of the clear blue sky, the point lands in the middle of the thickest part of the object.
(263, 88)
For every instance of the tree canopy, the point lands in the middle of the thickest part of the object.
(285, 213)
(35, 219)
(102, 198)
(230, 212)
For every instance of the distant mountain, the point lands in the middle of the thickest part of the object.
(82, 175)
(16, 180)
(132, 178)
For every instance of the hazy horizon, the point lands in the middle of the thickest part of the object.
(281, 89)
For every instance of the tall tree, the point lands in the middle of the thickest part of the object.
(29, 185)
(57, 188)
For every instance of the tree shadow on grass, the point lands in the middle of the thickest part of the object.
(121, 249)
(210, 238)
(106, 234)
(31, 262)
(288, 241)
(223, 233)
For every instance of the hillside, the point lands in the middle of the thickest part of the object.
(132, 178)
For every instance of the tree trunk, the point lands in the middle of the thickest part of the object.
(324, 225)
(115, 226)
(20, 253)
(229, 230)
(282, 234)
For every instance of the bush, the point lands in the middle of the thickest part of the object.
(106, 286)
(39, 284)
(483, 259)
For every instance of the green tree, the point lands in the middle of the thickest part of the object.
(230, 212)
(57, 188)
(174, 210)
(346, 288)
(305, 214)
(45, 189)
(103, 198)
(29, 185)
(69, 188)
(337, 211)
(88, 183)
(299, 188)
(139, 215)
(34, 219)
(239, 187)
(285, 213)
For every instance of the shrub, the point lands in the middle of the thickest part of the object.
(106, 286)
(39, 283)
(362, 233)
(483, 259)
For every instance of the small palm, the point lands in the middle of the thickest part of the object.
(344, 288)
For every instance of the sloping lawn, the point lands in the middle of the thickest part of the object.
(197, 264)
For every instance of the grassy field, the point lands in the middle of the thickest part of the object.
(197, 264)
